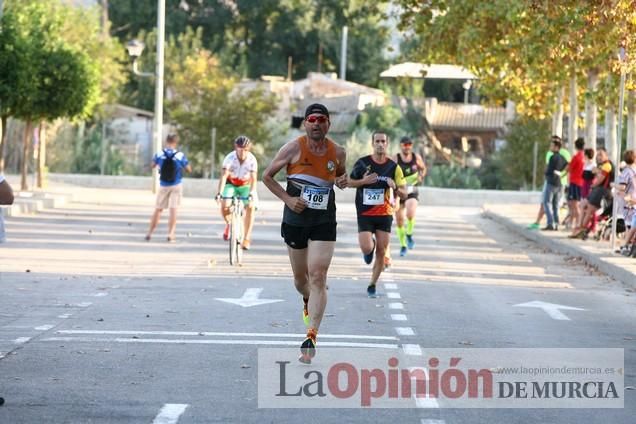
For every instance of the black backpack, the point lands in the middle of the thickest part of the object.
(168, 170)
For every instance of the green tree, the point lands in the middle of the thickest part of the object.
(516, 157)
(256, 37)
(523, 50)
(55, 80)
(204, 97)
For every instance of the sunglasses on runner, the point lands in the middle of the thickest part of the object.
(321, 119)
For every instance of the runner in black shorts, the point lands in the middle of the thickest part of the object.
(314, 165)
(375, 177)
(414, 170)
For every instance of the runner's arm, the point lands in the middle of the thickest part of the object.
(360, 176)
(224, 174)
(421, 168)
(342, 180)
(400, 183)
(285, 155)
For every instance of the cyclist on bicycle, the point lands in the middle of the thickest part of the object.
(238, 178)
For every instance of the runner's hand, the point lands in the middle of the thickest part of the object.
(368, 178)
(296, 204)
(217, 197)
(391, 183)
(342, 181)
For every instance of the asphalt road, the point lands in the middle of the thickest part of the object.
(99, 326)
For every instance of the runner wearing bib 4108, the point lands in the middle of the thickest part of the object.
(314, 165)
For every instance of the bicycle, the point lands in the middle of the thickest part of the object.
(237, 212)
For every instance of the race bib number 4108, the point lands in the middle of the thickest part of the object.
(316, 197)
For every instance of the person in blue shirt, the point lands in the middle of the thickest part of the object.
(171, 163)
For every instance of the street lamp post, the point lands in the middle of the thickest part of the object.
(466, 86)
(619, 138)
(135, 48)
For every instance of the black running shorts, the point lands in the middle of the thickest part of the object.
(574, 192)
(596, 196)
(373, 223)
(298, 237)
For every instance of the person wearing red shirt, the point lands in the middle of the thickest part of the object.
(575, 175)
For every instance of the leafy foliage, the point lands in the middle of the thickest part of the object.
(524, 50)
(256, 37)
(452, 176)
(203, 97)
(516, 157)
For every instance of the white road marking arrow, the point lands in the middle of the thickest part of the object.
(552, 309)
(250, 298)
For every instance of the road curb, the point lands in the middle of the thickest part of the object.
(618, 273)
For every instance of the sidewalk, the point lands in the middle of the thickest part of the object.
(595, 253)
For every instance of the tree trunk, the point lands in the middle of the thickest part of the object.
(42, 155)
(631, 120)
(573, 128)
(590, 110)
(557, 118)
(611, 145)
(25, 155)
(4, 131)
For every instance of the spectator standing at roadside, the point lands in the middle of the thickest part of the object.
(171, 163)
(548, 155)
(552, 191)
(575, 182)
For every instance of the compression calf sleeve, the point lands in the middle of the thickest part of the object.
(401, 232)
(410, 223)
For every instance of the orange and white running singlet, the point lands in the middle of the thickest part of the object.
(312, 177)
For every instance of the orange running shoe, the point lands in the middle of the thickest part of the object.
(308, 347)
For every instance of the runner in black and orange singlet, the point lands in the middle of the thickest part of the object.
(376, 177)
(314, 164)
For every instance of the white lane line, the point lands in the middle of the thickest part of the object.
(405, 331)
(390, 286)
(100, 294)
(170, 413)
(412, 349)
(398, 317)
(396, 305)
(422, 401)
(393, 295)
(21, 340)
(214, 342)
(83, 304)
(220, 334)
(429, 421)
(44, 327)
(426, 402)
(64, 316)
